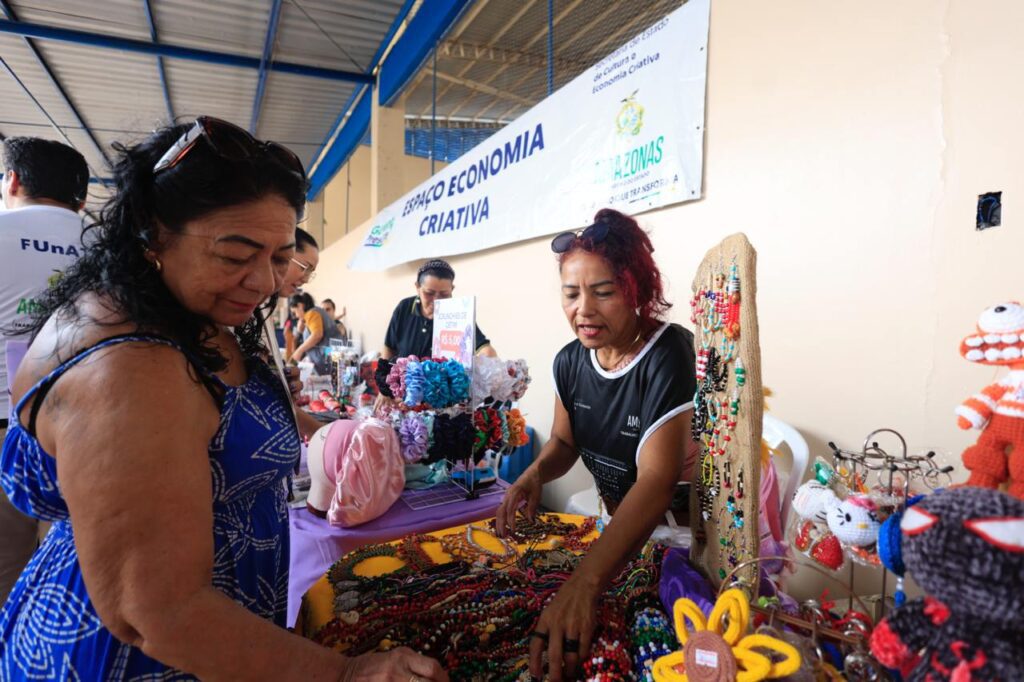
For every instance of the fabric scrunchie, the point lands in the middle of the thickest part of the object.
(522, 379)
(458, 382)
(414, 438)
(435, 384)
(380, 378)
(414, 383)
(396, 377)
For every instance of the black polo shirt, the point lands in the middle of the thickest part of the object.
(409, 333)
(612, 414)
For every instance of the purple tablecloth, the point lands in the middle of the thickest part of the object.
(315, 544)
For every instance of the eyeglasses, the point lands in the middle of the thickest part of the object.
(229, 142)
(306, 269)
(596, 233)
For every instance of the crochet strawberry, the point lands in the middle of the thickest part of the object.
(828, 552)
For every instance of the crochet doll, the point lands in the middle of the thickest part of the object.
(813, 502)
(998, 411)
(965, 547)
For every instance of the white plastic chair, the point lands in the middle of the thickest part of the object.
(774, 432)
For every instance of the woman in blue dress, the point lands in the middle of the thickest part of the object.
(150, 430)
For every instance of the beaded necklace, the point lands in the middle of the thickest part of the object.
(536, 531)
(476, 620)
(463, 546)
(344, 568)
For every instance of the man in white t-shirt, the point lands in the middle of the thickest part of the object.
(43, 187)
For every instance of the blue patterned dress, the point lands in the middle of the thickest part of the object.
(49, 629)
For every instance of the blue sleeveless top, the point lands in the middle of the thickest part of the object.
(49, 629)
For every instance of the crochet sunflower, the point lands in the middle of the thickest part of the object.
(710, 654)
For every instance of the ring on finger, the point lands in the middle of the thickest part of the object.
(543, 636)
(571, 646)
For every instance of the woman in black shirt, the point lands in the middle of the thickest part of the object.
(411, 330)
(625, 399)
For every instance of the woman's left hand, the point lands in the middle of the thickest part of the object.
(565, 628)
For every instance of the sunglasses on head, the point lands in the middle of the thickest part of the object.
(596, 233)
(229, 142)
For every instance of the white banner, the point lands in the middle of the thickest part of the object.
(627, 133)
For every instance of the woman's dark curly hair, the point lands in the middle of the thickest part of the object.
(629, 251)
(113, 263)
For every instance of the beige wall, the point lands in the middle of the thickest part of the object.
(849, 141)
(348, 211)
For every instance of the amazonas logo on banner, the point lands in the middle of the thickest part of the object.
(627, 133)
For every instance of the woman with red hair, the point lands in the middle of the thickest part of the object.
(625, 399)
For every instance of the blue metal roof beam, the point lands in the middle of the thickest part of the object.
(174, 51)
(12, 19)
(334, 130)
(268, 49)
(433, 20)
(159, 61)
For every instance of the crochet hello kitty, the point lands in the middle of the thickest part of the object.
(813, 502)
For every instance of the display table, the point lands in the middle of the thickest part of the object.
(475, 615)
(318, 602)
(315, 544)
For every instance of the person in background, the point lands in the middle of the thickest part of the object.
(44, 186)
(302, 266)
(301, 270)
(328, 306)
(318, 330)
(152, 430)
(624, 403)
(411, 330)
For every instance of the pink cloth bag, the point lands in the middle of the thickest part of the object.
(369, 474)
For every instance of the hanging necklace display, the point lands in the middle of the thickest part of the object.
(728, 406)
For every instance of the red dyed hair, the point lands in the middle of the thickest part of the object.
(629, 252)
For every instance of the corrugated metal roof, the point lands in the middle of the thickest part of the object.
(119, 94)
(499, 85)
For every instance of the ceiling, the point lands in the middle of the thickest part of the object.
(94, 73)
(98, 95)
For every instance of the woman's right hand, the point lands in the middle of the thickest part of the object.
(397, 665)
(524, 492)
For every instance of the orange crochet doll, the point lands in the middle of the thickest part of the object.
(998, 411)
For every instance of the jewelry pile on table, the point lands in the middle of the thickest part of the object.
(475, 613)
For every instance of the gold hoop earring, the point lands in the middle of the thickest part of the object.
(158, 265)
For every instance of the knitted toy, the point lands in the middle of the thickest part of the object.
(998, 411)
(855, 521)
(965, 547)
(813, 503)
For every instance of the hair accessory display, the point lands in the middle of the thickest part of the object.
(965, 548)
(444, 394)
(996, 411)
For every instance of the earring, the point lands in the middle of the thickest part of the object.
(158, 265)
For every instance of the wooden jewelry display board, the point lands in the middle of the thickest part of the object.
(727, 412)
